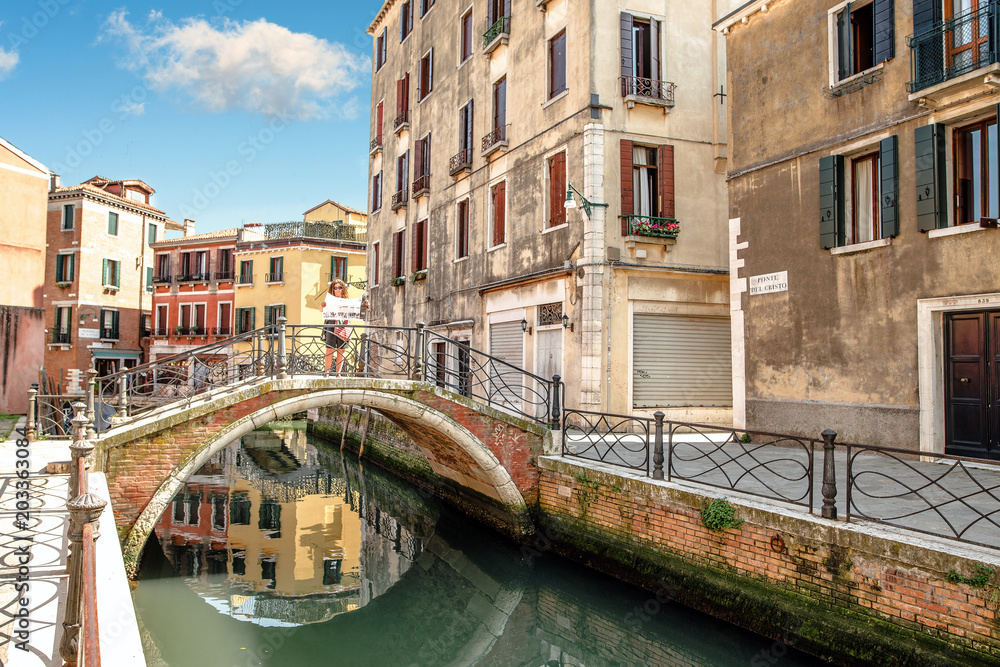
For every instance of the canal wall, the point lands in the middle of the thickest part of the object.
(845, 592)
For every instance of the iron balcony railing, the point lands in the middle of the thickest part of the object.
(191, 277)
(161, 331)
(647, 225)
(162, 280)
(109, 333)
(500, 28)
(399, 199)
(401, 120)
(221, 331)
(421, 185)
(297, 229)
(61, 337)
(954, 47)
(224, 275)
(376, 144)
(495, 139)
(274, 277)
(460, 162)
(244, 280)
(649, 88)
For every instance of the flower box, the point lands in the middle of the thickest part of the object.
(396, 282)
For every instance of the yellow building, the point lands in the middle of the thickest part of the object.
(331, 211)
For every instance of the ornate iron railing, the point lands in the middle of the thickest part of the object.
(274, 277)
(161, 331)
(60, 337)
(421, 184)
(496, 138)
(109, 333)
(399, 199)
(649, 88)
(221, 331)
(162, 280)
(376, 144)
(401, 120)
(500, 28)
(244, 280)
(617, 440)
(331, 231)
(647, 225)
(224, 275)
(954, 47)
(460, 162)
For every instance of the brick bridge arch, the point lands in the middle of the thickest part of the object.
(484, 458)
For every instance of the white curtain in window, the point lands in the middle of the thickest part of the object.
(864, 216)
(641, 182)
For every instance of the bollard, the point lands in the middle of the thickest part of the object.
(556, 407)
(91, 402)
(282, 357)
(418, 357)
(658, 446)
(829, 476)
(29, 432)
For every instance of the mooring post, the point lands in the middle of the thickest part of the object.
(29, 432)
(347, 424)
(91, 374)
(829, 476)
(282, 358)
(658, 446)
(556, 407)
(418, 357)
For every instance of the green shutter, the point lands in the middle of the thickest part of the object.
(253, 319)
(888, 187)
(149, 279)
(104, 279)
(151, 238)
(60, 259)
(831, 201)
(70, 267)
(267, 315)
(884, 37)
(845, 44)
(113, 224)
(114, 323)
(931, 193)
(117, 266)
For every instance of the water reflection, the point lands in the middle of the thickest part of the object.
(281, 552)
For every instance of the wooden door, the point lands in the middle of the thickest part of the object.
(972, 343)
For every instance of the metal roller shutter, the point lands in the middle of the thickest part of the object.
(681, 361)
(507, 344)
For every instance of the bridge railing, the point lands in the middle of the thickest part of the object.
(366, 351)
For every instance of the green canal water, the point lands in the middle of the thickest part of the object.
(280, 551)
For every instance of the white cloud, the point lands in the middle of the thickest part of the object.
(8, 61)
(250, 66)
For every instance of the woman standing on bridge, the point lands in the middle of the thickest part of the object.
(337, 311)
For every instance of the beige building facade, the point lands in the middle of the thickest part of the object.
(483, 116)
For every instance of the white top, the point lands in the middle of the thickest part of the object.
(335, 308)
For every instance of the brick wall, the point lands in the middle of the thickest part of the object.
(838, 591)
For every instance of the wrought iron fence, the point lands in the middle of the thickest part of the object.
(162, 280)
(401, 120)
(399, 199)
(332, 231)
(224, 275)
(499, 28)
(647, 225)
(652, 88)
(495, 138)
(63, 337)
(367, 351)
(954, 47)
(460, 162)
(421, 184)
(376, 143)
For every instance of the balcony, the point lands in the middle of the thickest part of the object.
(161, 332)
(244, 280)
(639, 90)
(331, 231)
(376, 145)
(60, 337)
(955, 59)
(221, 332)
(224, 276)
(191, 277)
(422, 186)
(274, 277)
(461, 163)
(497, 35)
(650, 229)
(399, 200)
(162, 280)
(495, 140)
(109, 333)
(402, 122)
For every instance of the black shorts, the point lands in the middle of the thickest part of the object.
(331, 339)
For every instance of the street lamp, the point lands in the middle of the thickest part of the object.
(524, 326)
(585, 203)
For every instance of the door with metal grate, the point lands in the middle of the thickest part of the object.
(681, 361)
(506, 344)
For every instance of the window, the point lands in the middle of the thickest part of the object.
(135, 195)
(405, 20)
(557, 64)
(109, 323)
(64, 267)
(649, 193)
(112, 223)
(161, 321)
(338, 267)
(556, 173)
(425, 6)
(246, 272)
(378, 124)
(186, 264)
(402, 102)
(402, 173)
(376, 191)
(201, 265)
(376, 266)
(239, 509)
(151, 233)
(163, 268)
(112, 273)
(871, 212)
(244, 320)
(218, 501)
(380, 50)
(976, 173)
(68, 217)
(497, 11)
(276, 272)
(498, 204)
(862, 33)
(272, 313)
(644, 182)
(225, 264)
(462, 229)
(149, 279)
(418, 258)
(425, 75)
(184, 319)
(398, 253)
(500, 106)
(225, 320)
(63, 323)
(465, 135)
(198, 321)
(466, 37)
(422, 165)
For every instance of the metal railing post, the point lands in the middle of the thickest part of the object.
(91, 374)
(122, 397)
(829, 510)
(282, 358)
(363, 356)
(32, 407)
(418, 355)
(658, 446)
(556, 407)
(81, 446)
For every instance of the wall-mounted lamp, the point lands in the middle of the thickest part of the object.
(566, 323)
(584, 202)
(524, 326)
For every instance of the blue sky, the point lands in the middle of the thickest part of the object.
(232, 110)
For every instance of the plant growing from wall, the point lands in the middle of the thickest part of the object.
(718, 515)
(397, 281)
(979, 580)
(586, 492)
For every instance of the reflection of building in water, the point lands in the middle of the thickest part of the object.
(263, 532)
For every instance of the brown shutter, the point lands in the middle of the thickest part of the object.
(557, 190)
(384, 40)
(490, 17)
(427, 155)
(468, 128)
(665, 174)
(626, 40)
(414, 248)
(628, 203)
(400, 97)
(506, 7)
(418, 159)
(378, 123)
(499, 223)
(395, 254)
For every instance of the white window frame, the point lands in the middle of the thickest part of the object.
(833, 45)
(420, 75)
(564, 28)
(59, 256)
(219, 324)
(469, 11)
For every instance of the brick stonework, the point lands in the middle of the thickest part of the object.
(778, 574)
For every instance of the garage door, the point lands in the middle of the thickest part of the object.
(506, 344)
(681, 361)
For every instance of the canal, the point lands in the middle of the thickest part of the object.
(280, 551)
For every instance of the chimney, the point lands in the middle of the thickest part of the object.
(188, 227)
(54, 182)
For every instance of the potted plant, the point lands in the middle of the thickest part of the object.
(418, 275)
(178, 330)
(661, 227)
(193, 331)
(396, 282)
